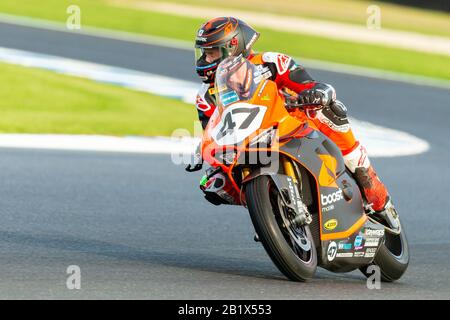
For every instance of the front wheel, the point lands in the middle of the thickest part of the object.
(290, 247)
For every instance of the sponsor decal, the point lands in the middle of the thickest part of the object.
(262, 69)
(295, 196)
(344, 255)
(332, 251)
(372, 242)
(261, 74)
(358, 242)
(374, 233)
(345, 245)
(200, 32)
(359, 254)
(331, 224)
(331, 198)
(327, 209)
(251, 42)
(212, 91)
(257, 79)
(202, 39)
(229, 98)
(291, 188)
(370, 253)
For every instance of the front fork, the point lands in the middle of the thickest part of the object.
(288, 168)
(292, 200)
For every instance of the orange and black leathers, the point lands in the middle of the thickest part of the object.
(282, 69)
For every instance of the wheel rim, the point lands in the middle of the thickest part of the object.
(296, 236)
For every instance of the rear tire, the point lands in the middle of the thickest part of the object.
(392, 258)
(274, 236)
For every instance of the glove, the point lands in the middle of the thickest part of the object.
(322, 93)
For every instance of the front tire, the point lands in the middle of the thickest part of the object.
(294, 262)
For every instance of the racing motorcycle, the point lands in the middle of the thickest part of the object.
(306, 207)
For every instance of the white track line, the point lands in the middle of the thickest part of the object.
(187, 45)
(141, 81)
(101, 143)
(381, 141)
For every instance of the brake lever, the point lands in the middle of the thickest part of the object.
(193, 168)
(197, 163)
(303, 105)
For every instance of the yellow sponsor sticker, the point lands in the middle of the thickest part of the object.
(331, 224)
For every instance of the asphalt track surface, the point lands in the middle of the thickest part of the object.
(137, 225)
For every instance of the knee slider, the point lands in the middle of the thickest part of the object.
(336, 112)
(335, 116)
(339, 109)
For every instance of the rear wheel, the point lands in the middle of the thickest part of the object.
(291, 247)
(393, 256)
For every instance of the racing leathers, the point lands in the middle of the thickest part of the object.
(331, 120)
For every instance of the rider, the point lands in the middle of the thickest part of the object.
(227, 36)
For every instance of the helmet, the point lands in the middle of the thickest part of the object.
(229, 35)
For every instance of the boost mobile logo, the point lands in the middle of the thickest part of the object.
(331, 198)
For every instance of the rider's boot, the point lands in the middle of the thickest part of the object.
(370, 185)
(218, 189)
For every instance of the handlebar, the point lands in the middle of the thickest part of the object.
(304, 106)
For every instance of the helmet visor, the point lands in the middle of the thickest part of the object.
(213, 54)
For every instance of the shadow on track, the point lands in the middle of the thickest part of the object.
(192, 260)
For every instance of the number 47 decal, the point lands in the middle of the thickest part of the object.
(229, 124)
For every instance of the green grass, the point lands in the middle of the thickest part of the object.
(37, 101)
(347, 11)
(392, 59)
(98, 13)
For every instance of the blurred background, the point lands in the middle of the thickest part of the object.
(381, 36)
(118, 76)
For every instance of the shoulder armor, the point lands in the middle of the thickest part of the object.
(281, 61)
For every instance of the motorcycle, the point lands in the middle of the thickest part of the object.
(305, 206)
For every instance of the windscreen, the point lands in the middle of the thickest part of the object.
(236, 80)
